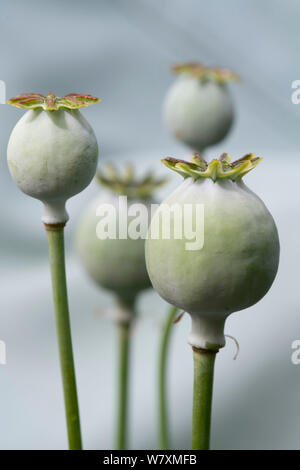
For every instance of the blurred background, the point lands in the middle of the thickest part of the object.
(121, 51)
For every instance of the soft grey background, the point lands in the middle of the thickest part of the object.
(121, 51)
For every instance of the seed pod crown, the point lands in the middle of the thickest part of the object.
(222, 168)
(203, 73)
(126, 182)
(51, 102)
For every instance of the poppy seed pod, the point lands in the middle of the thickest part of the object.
(52, 151)
(117, 263)
(198, 108)
(238, 260)
(52, 155)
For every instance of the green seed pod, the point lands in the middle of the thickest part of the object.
(238, 260)
(118, 263)
(198, 108)
(52, 151)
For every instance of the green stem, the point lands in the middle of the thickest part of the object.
(203, 388)
(162, 394)
(123, 367)
(55, 235)
(126, 306)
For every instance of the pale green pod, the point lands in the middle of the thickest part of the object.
(110, 238)
(238, 261)
(113, 263)
(198, 108)
(52, 155)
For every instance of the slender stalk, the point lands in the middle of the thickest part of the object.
(163, 430)
(55, 235)
(203, 388)
(123, 368)
(126, 311)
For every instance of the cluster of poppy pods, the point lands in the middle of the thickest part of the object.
(52, 155)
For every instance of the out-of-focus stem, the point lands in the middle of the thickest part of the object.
(124, 329)
(163, 430)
